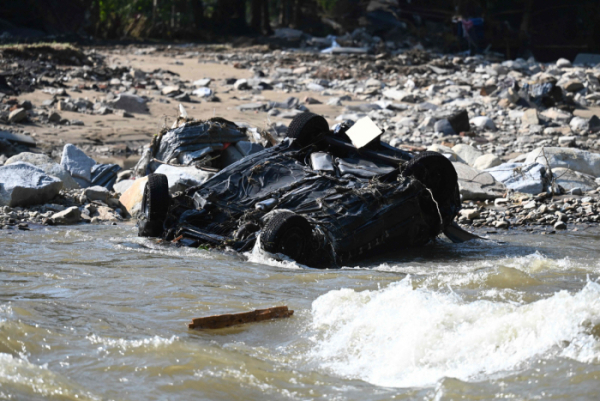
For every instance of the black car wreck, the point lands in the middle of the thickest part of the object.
(317, 198)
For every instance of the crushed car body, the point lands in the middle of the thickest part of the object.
(323, 198)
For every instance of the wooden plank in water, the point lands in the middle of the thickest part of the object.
(232, 319)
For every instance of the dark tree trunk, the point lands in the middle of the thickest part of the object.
(256, 15)
(266, 18)
(198, 13)
(296, 13)
(285, 12)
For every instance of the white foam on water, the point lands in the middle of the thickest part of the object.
(26, 377)
(125, 345)
(405, 337)
(258, 255)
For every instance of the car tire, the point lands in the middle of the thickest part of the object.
(436, 172)
(289, 234)
(306, 127)
(155, 205)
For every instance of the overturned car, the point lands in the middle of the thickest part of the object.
(323, 198)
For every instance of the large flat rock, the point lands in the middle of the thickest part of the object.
(525, 178)
(574, 159)
(45, 163)
(23, 184)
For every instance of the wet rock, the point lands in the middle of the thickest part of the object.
(130, 103)
(97, 193)
(24, 184)
(525, 178)
(105, 213)
(477, 185)
(69, 216)
(559, 225)
(78, 164)
(48, 165)
(181, 178)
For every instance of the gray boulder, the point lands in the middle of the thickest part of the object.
(130, 103)
(444, 127)
(78, 164)
(525, 178)
(486, 161)
(49, 166)
(97, 193)
(23, 184)
(467, 152)
(71, 215)
(181, 178)
(574, 159)
(569, 179)
(477, 185)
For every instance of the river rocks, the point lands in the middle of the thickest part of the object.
(23, 184)
(78, 164)
(573, 85)
(476, 184)
(71, 215)
(97, 193)
(181, 178)
(467, 153)
(49, 166)
(484, 122)
(530, 117)
(444, 127)
(486, 161)
(130, 103)
(579, 124)
(132, 198)
(574, 159)
(569, 179)
(525, 178)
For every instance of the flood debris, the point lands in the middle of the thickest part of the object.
(235, 319)
(315, 198)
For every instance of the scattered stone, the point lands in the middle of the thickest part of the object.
(17, 115)
(477, 185)
(130, 103)
(69, 216)
(97, 193)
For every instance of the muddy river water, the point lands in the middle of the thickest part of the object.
(96, 313)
